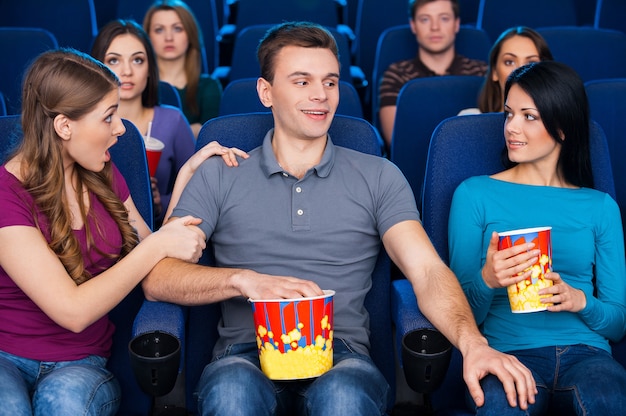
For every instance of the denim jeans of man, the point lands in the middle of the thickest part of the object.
(65, 388)
(571, 380)
(233, 384)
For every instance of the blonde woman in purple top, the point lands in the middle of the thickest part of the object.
(73, 243)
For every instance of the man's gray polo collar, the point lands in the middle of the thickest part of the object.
(270, 165)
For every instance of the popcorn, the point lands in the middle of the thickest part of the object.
(294, 336)
(298, 362)
(524, 296)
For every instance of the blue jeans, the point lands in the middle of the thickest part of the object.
(233, 384)
(81, 387)
(571, 380)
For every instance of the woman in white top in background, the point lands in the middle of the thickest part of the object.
(515, 47)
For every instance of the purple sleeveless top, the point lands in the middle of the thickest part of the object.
(24, 329)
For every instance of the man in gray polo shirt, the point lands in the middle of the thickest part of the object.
(300, 215)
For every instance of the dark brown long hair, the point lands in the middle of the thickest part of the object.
(490, 99)
(115, 28)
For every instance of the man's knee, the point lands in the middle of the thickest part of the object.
(234, 385)
(353, 383)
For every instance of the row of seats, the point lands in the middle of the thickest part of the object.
(594, 53)
(391, 302)
(596, 56)
(361, 21)
(417, 118)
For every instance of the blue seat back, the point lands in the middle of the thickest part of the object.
(22, 45)
(3, 105)
(345, 131)
(422, 104)
(72, 22)
(10, 135)
(593, 53)
(585, 11)
(609, 14)
(607, 106)
(469, 11)
(169, 95)
(495, 16)
(372, 19)
(129, 155)
(254, 12)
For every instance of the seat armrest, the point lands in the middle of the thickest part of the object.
(164, 317)
(221, 73)
(359, 80)
(226, 34)
(347, 32)
(405, 312)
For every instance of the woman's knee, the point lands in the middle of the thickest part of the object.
(14, 394)
(77, 389)
(597, 387)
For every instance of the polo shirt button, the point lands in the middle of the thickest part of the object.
(298, 189)
(300, 212)
(285, 174)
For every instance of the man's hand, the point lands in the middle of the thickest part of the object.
(517, 380)
(264, 286)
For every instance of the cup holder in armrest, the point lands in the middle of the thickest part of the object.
(426, 355)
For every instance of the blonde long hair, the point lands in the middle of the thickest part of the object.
(71, 83)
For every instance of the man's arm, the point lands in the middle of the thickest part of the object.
(443, 302)
(189, 284)
(387, 116)
(176, 281)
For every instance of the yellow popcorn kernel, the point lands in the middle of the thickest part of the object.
(324, 322)
(295, 335)
(262, 331)
(536, 271)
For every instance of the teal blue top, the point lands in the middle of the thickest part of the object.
(587, 244)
